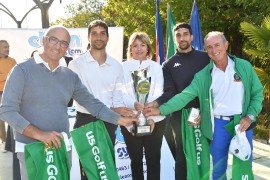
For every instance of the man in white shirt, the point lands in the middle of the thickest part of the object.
(102, 75)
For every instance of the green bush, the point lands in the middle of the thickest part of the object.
(263, 125)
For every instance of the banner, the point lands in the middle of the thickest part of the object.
(45, 162)
(95, 150)
(196, 149)
(24, 41)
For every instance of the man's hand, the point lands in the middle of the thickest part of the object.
(151, 112)
(245, 122)
(153, 104)
(124, 111)
(50, 138)
(197, 121)
(127, 121)
(138, 106)
(151, 122)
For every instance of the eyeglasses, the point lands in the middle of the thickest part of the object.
(53, 40)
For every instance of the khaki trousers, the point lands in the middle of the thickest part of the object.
(3, 135)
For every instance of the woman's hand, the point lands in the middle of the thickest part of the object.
(151, 122)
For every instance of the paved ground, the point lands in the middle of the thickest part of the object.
(261, 163)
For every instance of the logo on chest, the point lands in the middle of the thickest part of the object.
(236, 78)
(176, 64)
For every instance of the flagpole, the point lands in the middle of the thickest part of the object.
(167, 27)
(192, 10)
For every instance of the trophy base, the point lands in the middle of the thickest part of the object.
(142, 130)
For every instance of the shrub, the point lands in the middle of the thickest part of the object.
(263, 125)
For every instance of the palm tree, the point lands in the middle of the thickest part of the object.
(259, 49)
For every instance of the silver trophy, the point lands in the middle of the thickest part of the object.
(141, 85)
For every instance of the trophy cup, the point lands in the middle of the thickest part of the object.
(141, 85)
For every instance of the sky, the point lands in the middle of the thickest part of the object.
(33, 20)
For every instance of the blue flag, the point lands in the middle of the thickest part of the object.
(159, 37)
(196, 28)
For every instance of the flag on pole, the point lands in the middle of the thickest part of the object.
(171, 46)
(159, 37)
(196, 28)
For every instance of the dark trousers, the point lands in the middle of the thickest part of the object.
(169, 136)
(180, 158)
(152, 146)
(10, 146)
(82, 119)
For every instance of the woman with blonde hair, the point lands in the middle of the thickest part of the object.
(139, 54)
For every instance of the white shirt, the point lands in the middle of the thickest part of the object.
(103, 81)
(228, 91)
(39, 60)
(157, 81)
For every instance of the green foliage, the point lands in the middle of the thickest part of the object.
(263, 126)
(265, 78)
(127, 14)
(79, 15)
(259, 48)
(139, 15)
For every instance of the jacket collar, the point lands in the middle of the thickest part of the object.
(211, 64)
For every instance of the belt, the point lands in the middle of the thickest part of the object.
(227, 118)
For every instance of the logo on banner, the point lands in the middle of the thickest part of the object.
(121, 148)
(75, 45)
(197, 132)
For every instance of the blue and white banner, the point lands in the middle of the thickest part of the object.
(24, 41)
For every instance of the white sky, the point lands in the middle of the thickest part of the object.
(33, 20)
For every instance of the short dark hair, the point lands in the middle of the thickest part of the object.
(96, 23)
(182, 25)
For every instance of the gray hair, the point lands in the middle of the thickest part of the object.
(215, 33)
(55, 27)
(3, 41)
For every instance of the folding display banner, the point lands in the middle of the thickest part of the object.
(46, 162)
(95, 151)
(196, 149)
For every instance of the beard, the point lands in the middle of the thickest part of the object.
(99, 46)
(184, 45)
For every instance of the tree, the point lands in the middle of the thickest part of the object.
(79, 15)
(259, 49)
(221, 15)
(139, 15)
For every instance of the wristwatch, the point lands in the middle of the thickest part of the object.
(251, 117)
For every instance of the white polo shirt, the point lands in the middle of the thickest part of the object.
(103, 81)
(228, 90)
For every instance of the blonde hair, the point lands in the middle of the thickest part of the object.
(142, 36)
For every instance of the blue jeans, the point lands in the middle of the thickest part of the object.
(219, 148)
